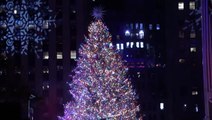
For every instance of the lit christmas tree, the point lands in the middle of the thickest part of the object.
(100, 88)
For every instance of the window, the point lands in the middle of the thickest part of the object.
(117, 46)
(192, 5)
(73, 54)
(122, 46)
(158, 27)
(161, 106)
(194, 93)
(181, 6)
(131, 45)
(192, 35)
(46, 70)
(59, 55)
(45, 55)
(141, 44)
(196, 108)
(141, 34)
(193, 49)
(150, 26)
(136, 26)
(137, 44)
(181, 60)
(59, 67)
(141, 26)
(127, 33)
(127, 44)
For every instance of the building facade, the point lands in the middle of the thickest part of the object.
(144, 55)
(184, 59)
(35, 87)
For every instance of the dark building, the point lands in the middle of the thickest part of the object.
(184, 59)
(142, 47)
(34, 87)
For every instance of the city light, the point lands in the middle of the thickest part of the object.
(127, 33)
(161, 106)
(141, 34)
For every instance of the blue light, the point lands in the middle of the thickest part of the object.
(117, 46)
(127, 33)
(131, 44)
(142, 44)
(122, 46)
(141, 34)
(157, 27)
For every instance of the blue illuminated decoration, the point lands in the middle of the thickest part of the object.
(24, 24)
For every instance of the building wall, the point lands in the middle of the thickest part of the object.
(144, 56)
(184, 63)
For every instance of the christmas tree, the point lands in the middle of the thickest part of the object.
(100, 88)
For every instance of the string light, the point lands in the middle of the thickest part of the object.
(100, 88)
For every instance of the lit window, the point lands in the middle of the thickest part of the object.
(131, 45)
(150, 26)
(73, 54)
(127, 33)
(122, 46)
(157, 27)
(45, 86)
(136, 26)
(45, 55)
(141, 34)
(59, 67)
(59, 55)
(141, 44)
(192, 5)
(131, 26)
(127, 44)
(192, 35)
(117, 46)
(137, 44)
(193, 49)
(161, 106)
(181, 6)
(46, 70)
(194, 92)
(141, 26)
(181, 60)
(196, 108)
(185, 105)
(74, 11)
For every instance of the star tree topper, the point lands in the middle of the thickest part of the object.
(98, 13)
